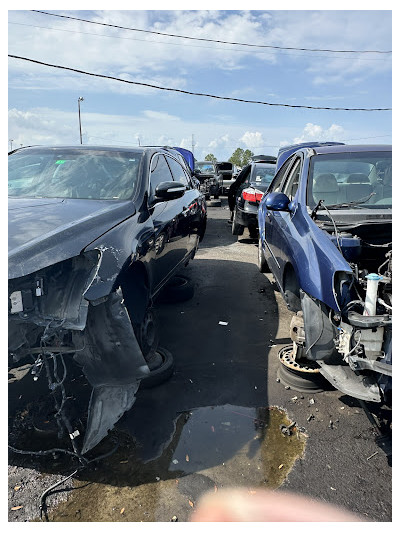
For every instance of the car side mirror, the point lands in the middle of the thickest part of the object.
(278, 201)
(169, 190)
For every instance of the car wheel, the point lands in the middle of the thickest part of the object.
(237, 229)
(147, 334)
(262, 262)
(161, 373)
(178, 289)
(300, 375)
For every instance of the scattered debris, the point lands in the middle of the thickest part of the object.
(191, 503)
(312, 401)
(221, 323)
(190, 380)
(158, 478)
(187, 458)
(278, 380)
(213, 429)
(294, 398)
(311, 417)
(16, 508)
(280, 466)
(373, 455)
(332, 488)
(123, 462)
(287, 387)
(122, 510)
(17, 487)
(287, 430)
(175, 461)
(330, 425)
(174, 519)
(342, 408)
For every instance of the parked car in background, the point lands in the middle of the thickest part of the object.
(325, 228)
(245, 194)
(95, 233)
(210, 179)
(226, 170)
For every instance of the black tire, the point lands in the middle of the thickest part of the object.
(253, 232)
(262, 262)
(237, 229)
(162, 373)
(178, 289)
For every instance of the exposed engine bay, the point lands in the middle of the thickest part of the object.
(50, 320)
(353, 345)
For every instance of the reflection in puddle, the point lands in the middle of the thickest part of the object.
(212, 447)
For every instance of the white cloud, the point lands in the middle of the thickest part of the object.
(253, 139)
(157, 115)
(314, 132)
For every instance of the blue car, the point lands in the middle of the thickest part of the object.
(325, 233)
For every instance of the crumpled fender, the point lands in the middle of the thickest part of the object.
(113, 364)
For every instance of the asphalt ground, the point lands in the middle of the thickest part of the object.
(217, 421)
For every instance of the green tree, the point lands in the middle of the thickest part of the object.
(240, 157)
(210, 157)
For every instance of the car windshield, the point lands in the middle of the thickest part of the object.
(354, 180)
(262, 175)
(73, 173)
(206, 168)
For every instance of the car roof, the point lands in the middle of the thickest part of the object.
(348, 148)
(108, 148)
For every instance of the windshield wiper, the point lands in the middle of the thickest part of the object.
(343, 204)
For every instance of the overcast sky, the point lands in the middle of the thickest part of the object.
(43, 101)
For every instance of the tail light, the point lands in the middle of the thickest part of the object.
(252, 195)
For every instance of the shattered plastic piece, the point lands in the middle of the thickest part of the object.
(280, 466)
(175, 461)
(16, 508)
(311, 417)
(312, 401)
(158, 478)
(17, 487)
(191, 503)
(294, 398)
(222, 323)
(187, 458)
(122, 510)
(174, 519)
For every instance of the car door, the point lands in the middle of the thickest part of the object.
(170, 242)
(276, 222)
(190, 208)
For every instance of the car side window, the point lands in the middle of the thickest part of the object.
(159, 172)
(178, 172)
(276, 184)
(292, 182)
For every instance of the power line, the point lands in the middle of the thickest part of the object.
(351, 58)
(192, 93)
(213, 40)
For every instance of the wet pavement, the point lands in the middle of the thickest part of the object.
(217, 422)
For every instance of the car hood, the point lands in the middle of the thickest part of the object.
(44, 231)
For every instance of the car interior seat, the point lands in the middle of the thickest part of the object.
(357, 187)
(326, 188)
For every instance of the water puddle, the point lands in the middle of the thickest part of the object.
(211, 448)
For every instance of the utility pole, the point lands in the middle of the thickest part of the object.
(80, 99)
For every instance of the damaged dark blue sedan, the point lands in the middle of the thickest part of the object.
(326, 235)
(95, 233)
